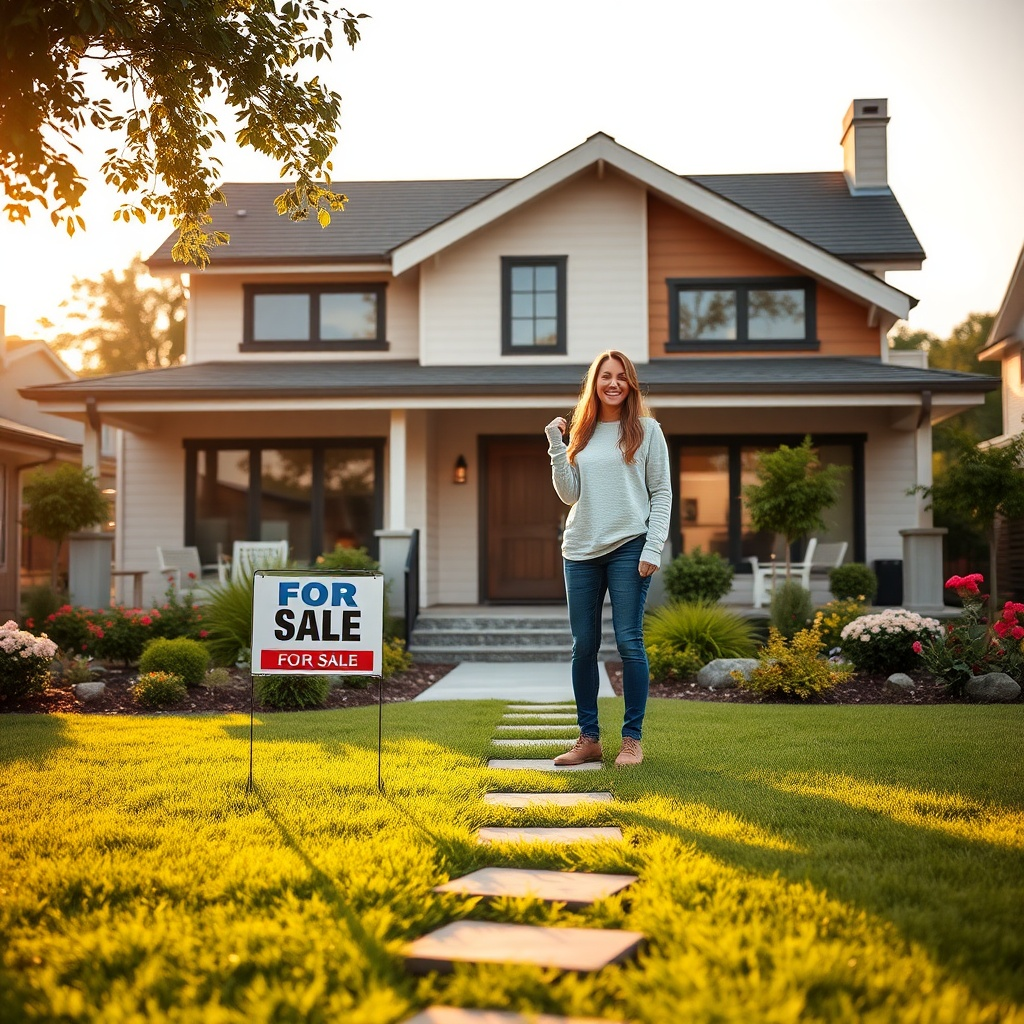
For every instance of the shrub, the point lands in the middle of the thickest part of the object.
(347, 558)
(158, 689)
(217, 677)
(119, 633)
(834, 616)
(796, 666)
(75, 670)
(229, 621)
(684, 636)
(885, 642)
(698, 577)
(37, 604)
(178, 616)
(853, 582)
(292, 692)
(791, 608)
(396, 660)
(185, 658)
(68, 628)
(24, 660)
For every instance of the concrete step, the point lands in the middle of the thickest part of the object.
(453, 655)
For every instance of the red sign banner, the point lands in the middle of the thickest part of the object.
(321, 660)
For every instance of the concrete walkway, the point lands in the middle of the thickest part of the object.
(540, 681)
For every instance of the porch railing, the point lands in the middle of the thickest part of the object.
(412, 584)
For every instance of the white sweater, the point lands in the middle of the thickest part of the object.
(613, 502)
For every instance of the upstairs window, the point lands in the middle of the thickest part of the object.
(751, 313)
(325, 317)
(533, 305)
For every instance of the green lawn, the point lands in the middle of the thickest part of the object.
(796, 863)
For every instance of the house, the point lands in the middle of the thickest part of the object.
(29, 438)
(1004, 344)
(395, 371)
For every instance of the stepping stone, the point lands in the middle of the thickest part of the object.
(491, 942)
(551, 716)
(535, 799)
(523, 741)
(543, 765)
(541, 707)
(576, 888)
(540, 726)
(508, 834)
(454, 1015)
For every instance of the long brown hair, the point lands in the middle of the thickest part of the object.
(588, 406)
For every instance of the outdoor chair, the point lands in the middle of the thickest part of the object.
(182, 567)
(765, 576)
(828, 556)
(249, 555)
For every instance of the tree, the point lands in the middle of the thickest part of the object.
(795, 489)
(131, 325)
(977, 486)
(166, 58)
(59, 503)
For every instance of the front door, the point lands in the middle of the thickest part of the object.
(523, 516)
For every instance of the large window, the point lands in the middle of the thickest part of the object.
(753, 313)
(315, 494)
(710, 513)
(533, 305)
(325, 317)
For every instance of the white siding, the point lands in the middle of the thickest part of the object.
(1013, 390)
(215, 317)
(599, 224)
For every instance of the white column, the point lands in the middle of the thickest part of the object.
(923, 471)
(397, 458)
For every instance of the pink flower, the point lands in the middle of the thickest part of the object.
(203, 634)
(146, 620)
(1017, 632)
(917, 647)
(1001, 628)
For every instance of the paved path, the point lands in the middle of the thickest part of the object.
(510, 681)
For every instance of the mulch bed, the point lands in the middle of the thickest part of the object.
(859, 689)
(233, 696)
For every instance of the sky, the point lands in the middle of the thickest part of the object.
(480, 89)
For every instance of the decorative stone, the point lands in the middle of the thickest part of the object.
(542, 765)
(491, 942)
(539, 799)
(574, 888)
(89, 691)
(507, 834)
(715, 674)
(456, 1015)
(992, 688)
(899, 682)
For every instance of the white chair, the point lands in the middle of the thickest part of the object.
(182, 568)
(249, 555)
(799, 571)
(828, 556)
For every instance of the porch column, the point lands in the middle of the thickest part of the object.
(397, 459)
(923, 471)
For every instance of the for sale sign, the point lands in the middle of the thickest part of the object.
(310, 622)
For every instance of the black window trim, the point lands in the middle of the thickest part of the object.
(560, 264)
(742, 286)
(314, 289)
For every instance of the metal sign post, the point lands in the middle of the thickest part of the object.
(318, 622)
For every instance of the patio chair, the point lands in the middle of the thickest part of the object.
(182, 567)
(249, 555)
(766, 575)
(828, 556)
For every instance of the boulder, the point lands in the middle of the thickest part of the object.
(89, 691)
(992, 688)
(899, 682)
(715, 675)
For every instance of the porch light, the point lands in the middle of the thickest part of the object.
(460, 474)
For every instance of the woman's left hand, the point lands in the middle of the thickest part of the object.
(648, 568)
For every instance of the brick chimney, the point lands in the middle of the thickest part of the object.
(864, 148)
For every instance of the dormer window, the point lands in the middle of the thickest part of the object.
(314, 317)
(533, 305)
(708, 315)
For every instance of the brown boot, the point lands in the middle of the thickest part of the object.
(584, 751)
(630, 753)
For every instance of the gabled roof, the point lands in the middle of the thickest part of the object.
(1009, 316)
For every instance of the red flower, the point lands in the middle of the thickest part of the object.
(191, 575)
(146, 620)
(917, 647)
(30, 624)
(1001, 628)
(1017, 632)
(203, 634)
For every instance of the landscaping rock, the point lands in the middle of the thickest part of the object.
(715, 674)
(89, 691)
(992, 688)
(900, 682)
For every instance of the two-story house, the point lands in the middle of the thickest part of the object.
(396, 370)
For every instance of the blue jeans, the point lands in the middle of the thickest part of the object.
(586, 584)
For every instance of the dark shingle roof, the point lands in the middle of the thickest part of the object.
(398, 379)
(818, 206)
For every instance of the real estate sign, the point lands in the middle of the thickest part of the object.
(310, 622)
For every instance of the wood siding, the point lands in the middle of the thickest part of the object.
(680, 245)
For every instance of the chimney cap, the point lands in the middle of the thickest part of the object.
(865, 111)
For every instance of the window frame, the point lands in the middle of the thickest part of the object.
(742, 286)
(314, 343)
(560, 263)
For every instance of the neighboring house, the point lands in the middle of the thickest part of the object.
(396, 370)
(30, 437)
(1005, 342)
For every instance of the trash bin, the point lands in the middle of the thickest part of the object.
(890, 581)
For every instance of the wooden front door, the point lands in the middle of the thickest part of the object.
(523, 516)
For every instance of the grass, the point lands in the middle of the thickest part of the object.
(797, 864)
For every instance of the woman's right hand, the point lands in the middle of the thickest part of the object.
(558, 421)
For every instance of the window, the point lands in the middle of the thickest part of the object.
(753, 313)
(328, 317)
(533, 304)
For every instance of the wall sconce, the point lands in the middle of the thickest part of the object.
(460, 474)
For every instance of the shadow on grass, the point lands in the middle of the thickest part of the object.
(33, 738)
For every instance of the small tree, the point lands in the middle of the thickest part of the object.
(977, 486)
(795, 489)
(59, 503)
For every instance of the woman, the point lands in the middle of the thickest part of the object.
(615, 475)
